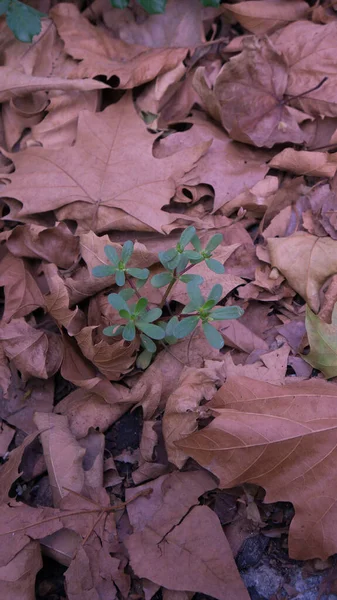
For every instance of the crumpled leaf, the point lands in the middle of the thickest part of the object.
(22, 294)
(34, 352)
(9, 471)
(15, 83)
(57, 302)
(259, 117)
(183, 408)
(322, 339)
(284, 439)
(302, 162)
(306, 261)
(63, 455)
(261, 17)
(115, 193)
(100, 54)
(17, 577)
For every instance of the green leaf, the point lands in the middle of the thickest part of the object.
(196, 243)
(103, 271)
(125, 314)
(193, 255)
(227, 312)
(23, 20)
(181, 263)
(171, 325)
(208, 304)
(215, 293)
(190, 277)
(186, 236)
(152, 315)
(111, 254)
(214, 242)
(126, 294)
(144, 359)
(213, 337)
(322, 338)
(127, 251)
(119, 3)
(3, 6)
(185, 327)
(141, 305)
(118, 302)
(129, 332)
(120, 277)
(161, 279)
(140, 283)
(153, 331)
(147, 343)
(113, 330)
(190, 307)
(138, 273)
(195, 294)
(167, 256)
(153, 6)
(214, 3)
(215, 266)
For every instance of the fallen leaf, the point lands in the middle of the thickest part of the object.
(265, 17)
(9, 471)
(57, 302)
(302, 162)
(270, 367)
(306, 261)
(22, 294)
(94, 444)
(63, 455)
(261, 116)
(109, 194)
(128, 65)
(282, 438)
(322, 339)
(6, 436)
(34, 352)
(24, 400)
(17, 577)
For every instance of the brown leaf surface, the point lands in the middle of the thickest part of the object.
(17, 578)
(9, 471)
(105, 194)
(282, 438)
(100, 54)
(22, 295)
(261, 17)
(301, 162)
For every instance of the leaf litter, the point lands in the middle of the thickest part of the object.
(118, 125)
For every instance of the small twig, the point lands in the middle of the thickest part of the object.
(319, 85)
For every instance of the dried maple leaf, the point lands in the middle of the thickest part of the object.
(309, 51)
(22, 294)
(261, 17)
(270, 367)
(101, 54)
(34, 352)
(90, 180)
(322, 339)
(63, 455)
(284, 439)
(250, 89)
(302, 162)
(306, 261)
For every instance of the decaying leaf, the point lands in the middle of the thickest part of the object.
(322, 339)
(265, 17)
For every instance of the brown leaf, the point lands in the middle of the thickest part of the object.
(194, 556)
(34, 352)
(57, 302)
(6, 436)
(284, 439)
(264, 16)
(259, 117)
(270, 367)
(24, 400)
(9, 471)
(105, 195)
(306, 261)
(63, 455)
(22, 295)
(100, 54)
(5, 373)
(94, 444)
(302, 162)
(17, 578)
(53, 244)
(15, 83)
(183, 406)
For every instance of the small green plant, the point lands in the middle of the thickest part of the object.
(156, 6)
(150, 324)
(23, 20)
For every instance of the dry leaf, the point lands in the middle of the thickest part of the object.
(9, 471)
(284, 439)
(271, 366)
(301, 162)
(17, 578)
(22, 295)
(63, 455)
(322, 339)
(34, 352)
(57, 302)
(264, 16)
(306, 261)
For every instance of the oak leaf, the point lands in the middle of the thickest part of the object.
(284, 439)
(306, 261)
(322, 339)
(100, 54)
(92, 183)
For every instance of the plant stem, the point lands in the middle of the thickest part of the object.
(173, 282)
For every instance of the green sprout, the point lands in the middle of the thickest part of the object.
(119, 268)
